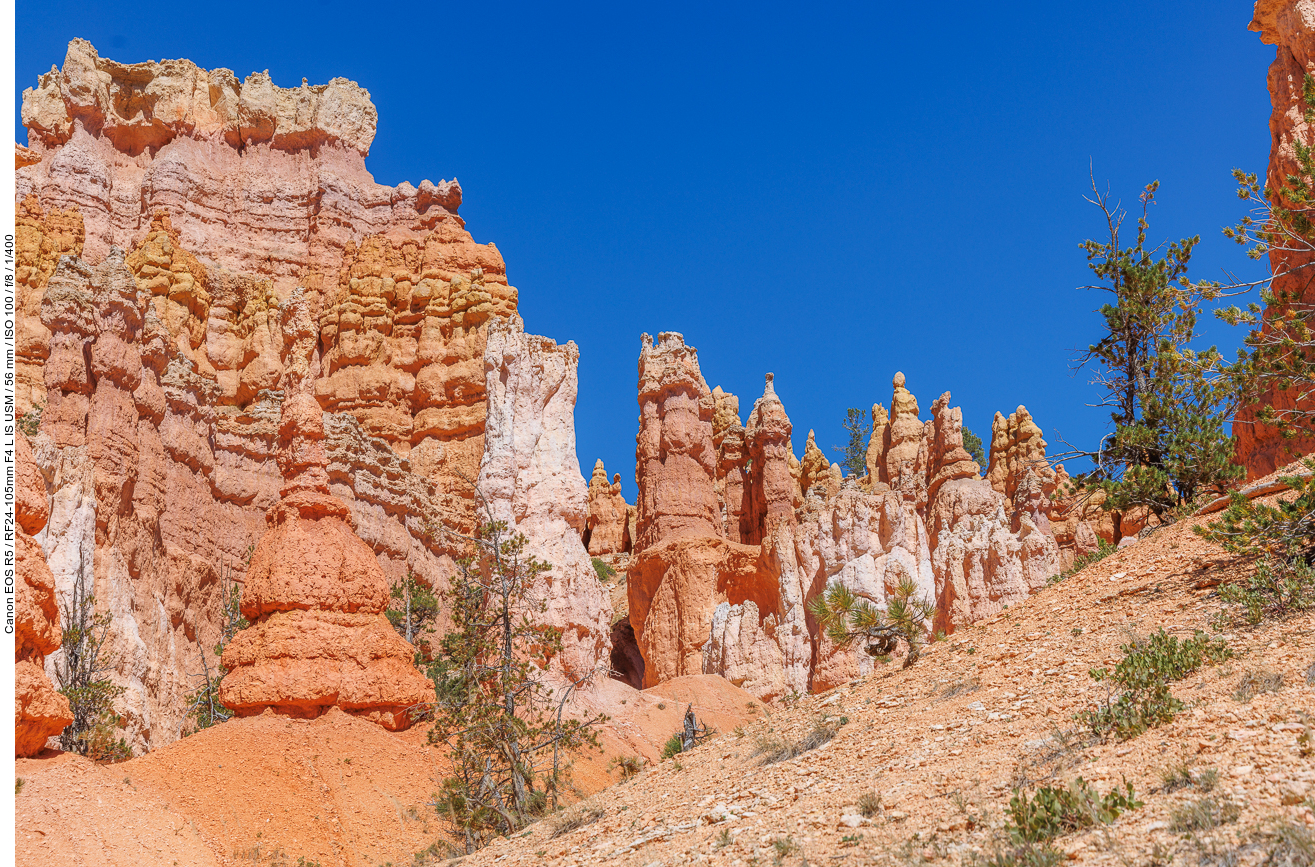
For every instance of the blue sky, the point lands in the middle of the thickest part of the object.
(831, 192)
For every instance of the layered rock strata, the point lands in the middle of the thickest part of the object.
(39, 712)
(314, 593)
(160, 235)
(674, 456)
(270, 184)
(268, 181)
(683, 567)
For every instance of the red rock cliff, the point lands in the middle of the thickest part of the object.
(1289, 25)
(167, 214)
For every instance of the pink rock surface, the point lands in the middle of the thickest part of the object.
(232, 167)
(157, 368)
(739, 609)
(606, 527)
(530, 479)
(731, 483)
(774, 491)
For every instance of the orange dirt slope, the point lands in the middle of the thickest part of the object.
(270, 790)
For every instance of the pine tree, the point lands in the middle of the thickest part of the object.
(414, 607)
(80, 671)
(501, 723)
(1168, 402)
(1278, 358)
(854, 454)
(203, 706)
(972, 443)
(846, 619)
(1279, 352)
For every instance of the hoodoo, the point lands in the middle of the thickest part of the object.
(315, 595)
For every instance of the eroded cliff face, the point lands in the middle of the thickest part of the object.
(39, 711)
(314, 593)
(265, 180)
(729, 596)
(168, 215)
(530, 478)
(1289, 25)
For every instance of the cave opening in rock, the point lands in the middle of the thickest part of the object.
(627, 662)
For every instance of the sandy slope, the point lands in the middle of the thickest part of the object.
(270, 790)
(944, 743)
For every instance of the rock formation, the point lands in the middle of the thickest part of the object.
(231, 162)
(607, 531)
(314, 593)
(774, 491)
(1288, 25)
(40, 712)
(270, 184)
(159, 235)
(679, 548)
(674, 456)
(530, 478)
(730, 596)
(987, 551)
(1021, 472)
(728, 438)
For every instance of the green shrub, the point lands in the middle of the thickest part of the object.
(628, 766)
(1288, 844)
(1021, 855)
(1255, 682)
(869, 804)
(1143, 676)
(605, 572)
(203, 706)
(1281, 531)
(673, 746)
(30, 422)
(1053, 812)
(784, 847)
(1277, 589)
(772, 749)
(80, 672)
(846, 619)
(575, 818)
(1182, 775)
(1103, 550)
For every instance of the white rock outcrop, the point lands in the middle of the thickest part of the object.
(530, 478)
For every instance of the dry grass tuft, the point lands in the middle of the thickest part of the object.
(574, 818)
